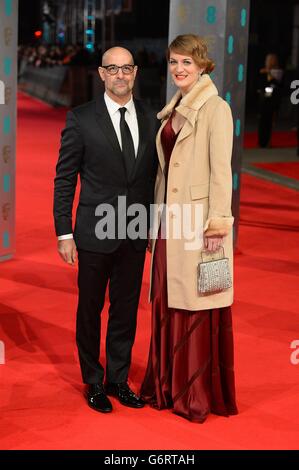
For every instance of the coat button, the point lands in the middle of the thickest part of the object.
(175, 190)
(176, 164)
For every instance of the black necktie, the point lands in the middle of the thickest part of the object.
(127, 142)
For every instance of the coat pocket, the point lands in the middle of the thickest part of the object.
(199, 191)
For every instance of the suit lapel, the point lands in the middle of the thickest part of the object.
(106, 126)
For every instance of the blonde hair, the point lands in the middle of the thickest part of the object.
(195, 47)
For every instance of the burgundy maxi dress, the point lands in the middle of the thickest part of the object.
(191, 361)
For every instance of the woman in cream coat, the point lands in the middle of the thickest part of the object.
(190, 366)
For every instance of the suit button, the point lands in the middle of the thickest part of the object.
(175, 190)
(176, 164)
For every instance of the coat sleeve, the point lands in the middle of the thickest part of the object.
(67, 169)
(220, 220)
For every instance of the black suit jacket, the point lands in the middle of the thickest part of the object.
(90, 148)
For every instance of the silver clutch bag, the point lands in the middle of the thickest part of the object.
(213, 274)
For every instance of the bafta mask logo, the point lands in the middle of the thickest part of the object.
(182, 13)
(232, 16)
(229, 69)
(211, 41)
(8, 94)
(6, 153)
(242, 45)
(8, 36)
(239, 97)
(5, 211)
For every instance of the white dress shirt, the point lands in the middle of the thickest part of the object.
(131, 119)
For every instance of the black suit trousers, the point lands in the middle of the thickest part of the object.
(123, 270)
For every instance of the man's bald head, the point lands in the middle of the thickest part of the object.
(117, 54)
(119, 82)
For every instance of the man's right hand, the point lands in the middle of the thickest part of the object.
(68, 251)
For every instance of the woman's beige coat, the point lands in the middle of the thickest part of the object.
(199, 175)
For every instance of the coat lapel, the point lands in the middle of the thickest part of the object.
(189, 105)
(186, 130)
(159, 146)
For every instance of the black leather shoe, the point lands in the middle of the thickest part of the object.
(97, 398)
(124, 394)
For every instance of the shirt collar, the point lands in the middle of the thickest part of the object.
(113, 107)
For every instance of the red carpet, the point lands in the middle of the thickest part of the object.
(279, 139)
(42, 406)
(290, 169)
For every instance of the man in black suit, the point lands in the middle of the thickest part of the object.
(110, 143)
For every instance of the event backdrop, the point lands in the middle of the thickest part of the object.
(8, 91)
(224, 24)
